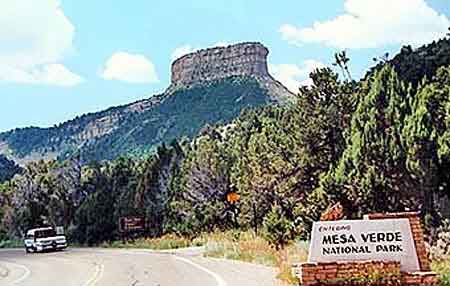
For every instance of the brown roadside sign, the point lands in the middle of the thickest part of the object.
(128, 224)
(233, 197)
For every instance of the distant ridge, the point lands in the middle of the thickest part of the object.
(207, 87)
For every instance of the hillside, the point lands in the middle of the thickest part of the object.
(138, 127)
(413, 65)
(207, 87)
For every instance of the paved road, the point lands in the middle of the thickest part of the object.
(114, 267)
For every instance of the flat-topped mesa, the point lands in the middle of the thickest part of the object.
(244, 59)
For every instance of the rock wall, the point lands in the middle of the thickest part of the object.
(244, 59)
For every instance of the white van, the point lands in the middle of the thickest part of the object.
(39, 239)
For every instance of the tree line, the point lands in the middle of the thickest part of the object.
(375, 145)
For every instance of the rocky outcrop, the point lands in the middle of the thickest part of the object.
(243, 59)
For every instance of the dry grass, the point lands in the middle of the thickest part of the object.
(245, 246)
(443, 269)
(293, 253)
(168, 241)
(242, 246)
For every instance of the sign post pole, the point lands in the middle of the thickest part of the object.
(233, 198)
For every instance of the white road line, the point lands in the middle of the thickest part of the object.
(99, 268)
(220, 281)
(26, 272)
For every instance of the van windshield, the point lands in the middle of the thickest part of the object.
(45, 233)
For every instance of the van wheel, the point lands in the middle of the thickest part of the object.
(27, 249)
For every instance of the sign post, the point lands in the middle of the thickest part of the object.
(233, 198)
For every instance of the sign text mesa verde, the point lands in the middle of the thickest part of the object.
(352, 240)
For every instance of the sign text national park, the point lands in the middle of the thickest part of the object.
(352, 240)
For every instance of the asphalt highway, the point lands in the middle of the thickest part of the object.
(117, 267)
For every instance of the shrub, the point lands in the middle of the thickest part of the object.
(278, 229)
(443, 269)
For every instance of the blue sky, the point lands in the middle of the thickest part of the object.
(59, 59)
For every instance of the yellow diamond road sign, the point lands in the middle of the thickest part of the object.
(233, 197)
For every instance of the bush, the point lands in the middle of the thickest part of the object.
(278, 229)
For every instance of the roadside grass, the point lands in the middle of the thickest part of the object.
(442, 267)
(168, 241)
(294, 253)
(246, 246)
(243, 246)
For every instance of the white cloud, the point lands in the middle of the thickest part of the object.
(187, 49)
(51, 74)
(35, 37)
(373, 23)
(293, 76)
(132, 68)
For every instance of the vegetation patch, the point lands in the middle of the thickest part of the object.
(442, 267)
(15, 243)
(169, 241)
(247, 247)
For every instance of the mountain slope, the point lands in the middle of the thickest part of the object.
(413, 65)
(138, 127)
(207, 87)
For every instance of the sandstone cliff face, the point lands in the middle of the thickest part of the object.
(243, 59)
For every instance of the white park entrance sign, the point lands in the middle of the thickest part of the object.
(356, 240)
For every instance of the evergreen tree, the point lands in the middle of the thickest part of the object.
(153, 196)
(94, 219)
(8, 169)
(425, 136)
(201, 204)
(278, 229)
(372, 175)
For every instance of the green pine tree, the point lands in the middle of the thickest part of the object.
(371, 175)
(278, 229)
(426, 138)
